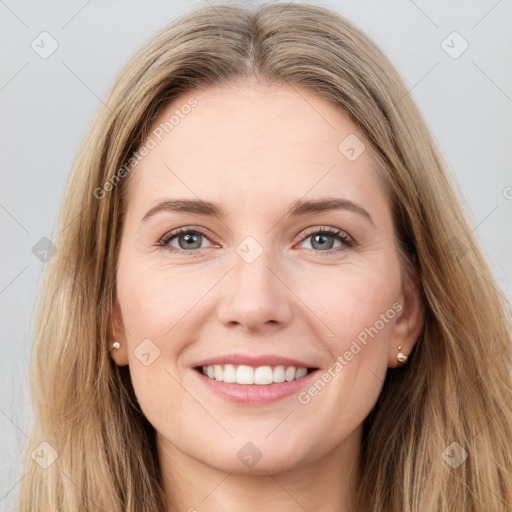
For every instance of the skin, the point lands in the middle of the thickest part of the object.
(255, 149)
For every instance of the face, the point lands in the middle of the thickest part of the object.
(320, 286)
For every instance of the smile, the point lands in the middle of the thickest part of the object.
(254, 386)
(247, 375)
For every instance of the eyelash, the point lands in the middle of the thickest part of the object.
(336, 233)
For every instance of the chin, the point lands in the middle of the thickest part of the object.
(260, 458)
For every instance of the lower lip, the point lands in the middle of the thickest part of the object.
(255, 394)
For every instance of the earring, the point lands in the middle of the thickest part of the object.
(402, 358)
(116, 344)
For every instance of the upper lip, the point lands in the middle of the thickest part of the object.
(255, 361)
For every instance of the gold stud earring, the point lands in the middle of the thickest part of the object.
(402, 358)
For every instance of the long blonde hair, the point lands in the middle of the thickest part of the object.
(456, 387)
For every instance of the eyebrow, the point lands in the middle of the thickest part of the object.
(297, 208)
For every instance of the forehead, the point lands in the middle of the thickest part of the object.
(252, 142)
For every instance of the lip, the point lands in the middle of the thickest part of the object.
(255, 361)
(254, 394)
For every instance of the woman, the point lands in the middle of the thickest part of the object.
(266, 294)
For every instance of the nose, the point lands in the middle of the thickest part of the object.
(256, 295)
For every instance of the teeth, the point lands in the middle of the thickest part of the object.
(261, 375)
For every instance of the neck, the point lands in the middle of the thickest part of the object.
(323, 484)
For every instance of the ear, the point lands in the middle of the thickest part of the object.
(119, 355)
(409, 322)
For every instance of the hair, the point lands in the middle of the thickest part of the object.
(456, 386)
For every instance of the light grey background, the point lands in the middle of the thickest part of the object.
(47, 105)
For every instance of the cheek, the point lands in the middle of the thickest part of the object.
(359, 311)
(162, 312)
(156, 322)
(354, 301)
(155, 300)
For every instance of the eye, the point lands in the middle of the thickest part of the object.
(323, 239)
(188, 240)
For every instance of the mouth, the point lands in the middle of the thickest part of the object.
(254, 385)
(255, 376)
